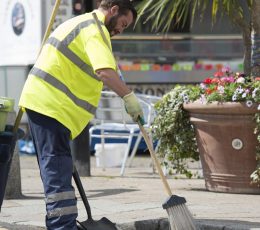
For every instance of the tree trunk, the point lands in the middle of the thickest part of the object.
(245, 26)
(255, 39)
(247, 51)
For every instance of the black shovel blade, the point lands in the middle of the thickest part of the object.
(102, 224)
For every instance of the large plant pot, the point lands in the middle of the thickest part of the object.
(227, 145)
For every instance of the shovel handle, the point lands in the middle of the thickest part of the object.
(81, 191)
(155, 159)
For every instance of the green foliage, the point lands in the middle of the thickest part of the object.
(163, 12)
(174, 129)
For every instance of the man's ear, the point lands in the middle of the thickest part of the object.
(114, 10)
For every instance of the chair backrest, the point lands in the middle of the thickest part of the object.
(151, 100)
(111, 109)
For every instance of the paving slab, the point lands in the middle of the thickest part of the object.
(133, 201)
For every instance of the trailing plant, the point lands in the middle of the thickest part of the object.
(174, 129)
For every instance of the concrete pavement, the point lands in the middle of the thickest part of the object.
(133, 201)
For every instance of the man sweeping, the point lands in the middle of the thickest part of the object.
(62, 93)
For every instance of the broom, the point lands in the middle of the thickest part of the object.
(180, 217)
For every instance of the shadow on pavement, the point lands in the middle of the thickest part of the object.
(108, 192)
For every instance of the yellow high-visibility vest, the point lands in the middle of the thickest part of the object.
(62, 84)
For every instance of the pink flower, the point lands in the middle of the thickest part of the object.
(231, 79)
(219, 74)
(215, 80)
(226, 69)
(224, 79)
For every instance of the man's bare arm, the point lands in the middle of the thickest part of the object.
(112, 80)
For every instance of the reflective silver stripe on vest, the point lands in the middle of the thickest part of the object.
(72, 56)
(60, 196)
(59, 85)
(62, 211)
(75, 32)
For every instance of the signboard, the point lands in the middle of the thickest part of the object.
(151, 89)
(178, 72)
(20, 29)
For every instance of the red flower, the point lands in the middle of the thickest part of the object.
(207, 81)
(208, 91)
(211, 90)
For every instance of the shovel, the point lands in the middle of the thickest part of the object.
(90, 224)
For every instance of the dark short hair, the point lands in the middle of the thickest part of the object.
(124, 6)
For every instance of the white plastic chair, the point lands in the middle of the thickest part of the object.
(113, 122)
(151, 100)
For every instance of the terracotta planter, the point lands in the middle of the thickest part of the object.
(226, 142)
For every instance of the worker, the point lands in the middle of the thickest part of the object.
(62, 92)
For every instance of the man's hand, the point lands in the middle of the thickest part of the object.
(133, 107)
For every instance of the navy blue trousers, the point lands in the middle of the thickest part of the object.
(52, 144)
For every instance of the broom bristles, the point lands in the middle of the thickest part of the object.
(180, 218)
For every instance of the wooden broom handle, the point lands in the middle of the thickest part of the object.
(46, 35)
(50, 24)
(155, 159)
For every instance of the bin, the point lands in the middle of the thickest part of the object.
(7, 145)
(6, 106)
(111, 156)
